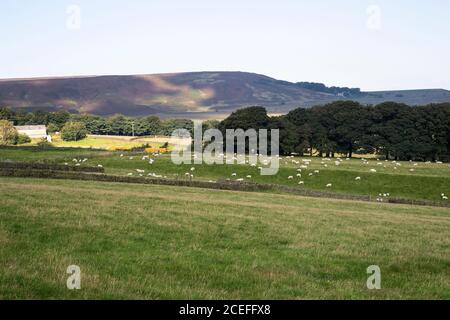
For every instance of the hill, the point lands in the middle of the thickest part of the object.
(192, 94)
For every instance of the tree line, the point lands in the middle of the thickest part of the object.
(114, 125)
(393, 130)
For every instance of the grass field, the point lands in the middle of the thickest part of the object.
(107, 142)
(408, 180)
(155, 242)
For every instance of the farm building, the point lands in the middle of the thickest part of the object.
(33, 131)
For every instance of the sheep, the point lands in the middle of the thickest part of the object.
(100, 166)
(329, 185)
(192, 169)
(316, 171)
(373, 170)
(301, 182)
(249, 177)
(299, 175)
(444, 198)
(130, 174)
(140, 171)
(290, 177)
(240, 180)
(233, 174)
(358, 178)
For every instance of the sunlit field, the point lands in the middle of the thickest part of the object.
(410, 180)
(135, 241)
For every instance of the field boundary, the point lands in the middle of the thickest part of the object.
(49, 166)
(220, 185)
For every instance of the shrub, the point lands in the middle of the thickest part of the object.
(23, 138)
(8, 134)
(73, 131)
(44, 144)
(140, 148)
(165, 145)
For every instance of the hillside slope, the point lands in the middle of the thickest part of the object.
(182, 94)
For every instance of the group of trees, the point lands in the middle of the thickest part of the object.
(114, 125)
(396, 131)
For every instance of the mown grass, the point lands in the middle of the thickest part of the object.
(97, 142)
(427, 180)
(155, 242)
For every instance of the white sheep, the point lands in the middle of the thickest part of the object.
(301, 182)
(329, 185)
(290, 177)
(358, 178)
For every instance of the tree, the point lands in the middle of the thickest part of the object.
(52, 128)
(59, 118)
(5, 113)
(8, 134)
(73, 131)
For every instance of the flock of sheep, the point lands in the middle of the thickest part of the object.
(301, 165)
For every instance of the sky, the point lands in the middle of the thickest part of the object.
(373, 45)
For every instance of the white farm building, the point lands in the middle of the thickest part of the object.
(33, 131)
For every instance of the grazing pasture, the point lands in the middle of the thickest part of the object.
(160, 242)
(379, 179)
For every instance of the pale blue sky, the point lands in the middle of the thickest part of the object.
(323, 41)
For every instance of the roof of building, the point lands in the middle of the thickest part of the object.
(31, 127)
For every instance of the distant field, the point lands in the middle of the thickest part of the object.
(155, 242)
(427, 180)
(107, 142)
